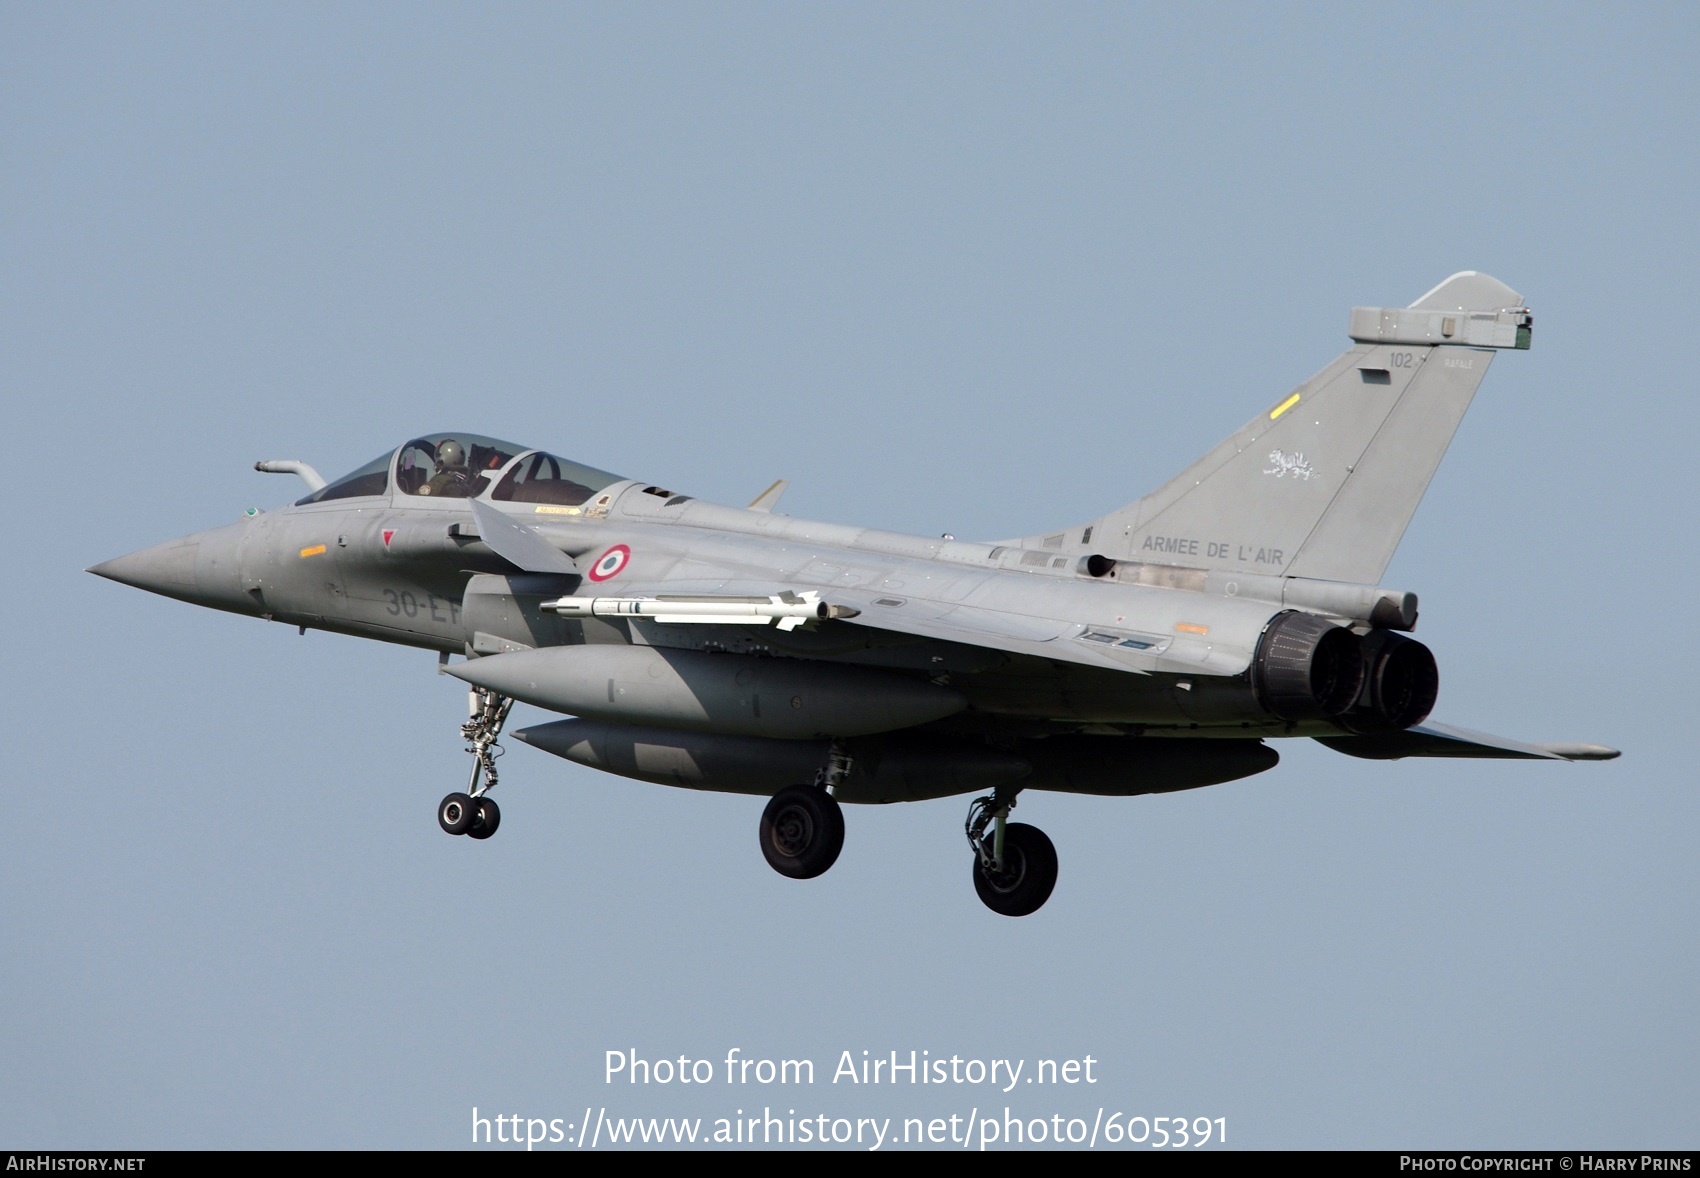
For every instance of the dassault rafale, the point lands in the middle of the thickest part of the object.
(1159, 647)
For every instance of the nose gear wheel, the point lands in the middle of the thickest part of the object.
(456, 813)
(486, 819)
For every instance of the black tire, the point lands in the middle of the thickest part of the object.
(1029, 873)
(802, 831)
(456, 813)
(487, 816)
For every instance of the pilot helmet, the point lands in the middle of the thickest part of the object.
(451, 453)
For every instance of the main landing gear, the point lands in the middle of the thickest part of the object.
(473, 813)
(802, 828)
(1015, 865)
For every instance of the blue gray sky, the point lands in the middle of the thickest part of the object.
(981, 269)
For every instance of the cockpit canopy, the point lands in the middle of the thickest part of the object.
(470, 466)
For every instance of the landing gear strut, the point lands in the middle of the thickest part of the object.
(473, 813)
(802, 828)
(1015, 865)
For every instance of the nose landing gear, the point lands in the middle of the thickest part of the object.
(472, 813)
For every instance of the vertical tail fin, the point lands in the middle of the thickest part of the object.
(1323, 483)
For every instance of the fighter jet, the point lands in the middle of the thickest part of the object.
(1159, 647)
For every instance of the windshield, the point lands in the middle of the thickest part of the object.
(371, 479)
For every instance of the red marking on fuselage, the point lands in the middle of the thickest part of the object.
(609, 564)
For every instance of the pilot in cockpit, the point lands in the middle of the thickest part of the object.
(452, 479)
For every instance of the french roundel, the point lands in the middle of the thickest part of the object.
(610, 563)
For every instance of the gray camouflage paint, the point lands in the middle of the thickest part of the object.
(1110, 657)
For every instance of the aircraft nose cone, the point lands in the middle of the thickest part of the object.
(202, 569)
(165, 568)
